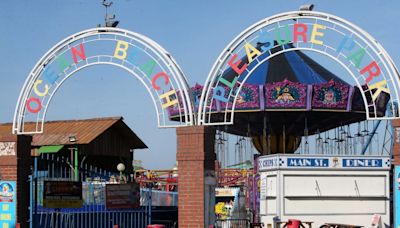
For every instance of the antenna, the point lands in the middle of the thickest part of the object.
(109, 19)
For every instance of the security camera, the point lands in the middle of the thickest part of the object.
(308, 7)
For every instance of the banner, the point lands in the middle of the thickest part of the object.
(7, 204)
(62, 194)
(396, 196)
(122, 196)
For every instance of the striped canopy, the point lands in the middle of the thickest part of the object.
(294, 66)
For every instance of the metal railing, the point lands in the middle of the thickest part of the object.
(232, 223)
(166, 223)
(96, 219)
(93, 213)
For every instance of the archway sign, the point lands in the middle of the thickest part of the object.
(360, 55)
(137, 54)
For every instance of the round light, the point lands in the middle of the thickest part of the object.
(120, 167)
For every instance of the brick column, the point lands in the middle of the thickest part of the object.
(396, 143)
(17, 167)
(196, 170)
(8, 159)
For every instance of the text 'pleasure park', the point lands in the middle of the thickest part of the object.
(296, 125)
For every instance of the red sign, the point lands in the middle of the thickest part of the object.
(122, 196)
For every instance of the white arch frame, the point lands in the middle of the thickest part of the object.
(377, 49)
(164, 59)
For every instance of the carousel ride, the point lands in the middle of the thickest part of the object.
(292, 104)
(288, 102)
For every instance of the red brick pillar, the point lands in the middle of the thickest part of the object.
(396, 144)
(196, 170)
(15, 165)
(8, 158)
(24, 164)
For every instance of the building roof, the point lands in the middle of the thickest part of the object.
(85, 131)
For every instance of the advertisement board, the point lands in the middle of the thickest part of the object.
(396, 191)
(7, 204)
(62, 194)
(122, 196)
(291, 161)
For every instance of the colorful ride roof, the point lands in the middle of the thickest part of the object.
(294, 66)
(290, 93)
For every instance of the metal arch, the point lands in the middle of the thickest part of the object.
(360, 33)
(167, 61)
(101, 63)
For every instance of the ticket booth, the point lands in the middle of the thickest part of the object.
(324, 189)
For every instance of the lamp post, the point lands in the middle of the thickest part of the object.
(74, 156)
(120, 168)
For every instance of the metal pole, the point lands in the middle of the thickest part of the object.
(150, 204)
(35, 176)
(254, 190)
(31, 202)
(76, 164)
(370, 137)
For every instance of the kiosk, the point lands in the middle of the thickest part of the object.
(324, 189)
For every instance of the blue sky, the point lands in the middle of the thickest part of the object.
(194, 32)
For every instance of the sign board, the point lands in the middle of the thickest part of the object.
(263, 188)
(62, 194)
(396, 192)
(137, 164)
(143, 58)
(7, 148)
(122, 196)
(397, 134)
(283, 161)
(226, 192)
(7, 204)
(363, 58)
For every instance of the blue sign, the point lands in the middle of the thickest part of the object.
(362, 162)
(308, 162)
(268, 163)
(290, 161)
(7, 204)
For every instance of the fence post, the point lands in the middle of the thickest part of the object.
(30, 203)
(35, 187)
(150, 202)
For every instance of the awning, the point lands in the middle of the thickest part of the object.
(50, 149)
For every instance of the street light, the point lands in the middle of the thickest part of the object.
(120, 168)
(72, 138)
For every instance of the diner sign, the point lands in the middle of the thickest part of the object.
(293, 161)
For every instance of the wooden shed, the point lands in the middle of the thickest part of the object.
(102, 142)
